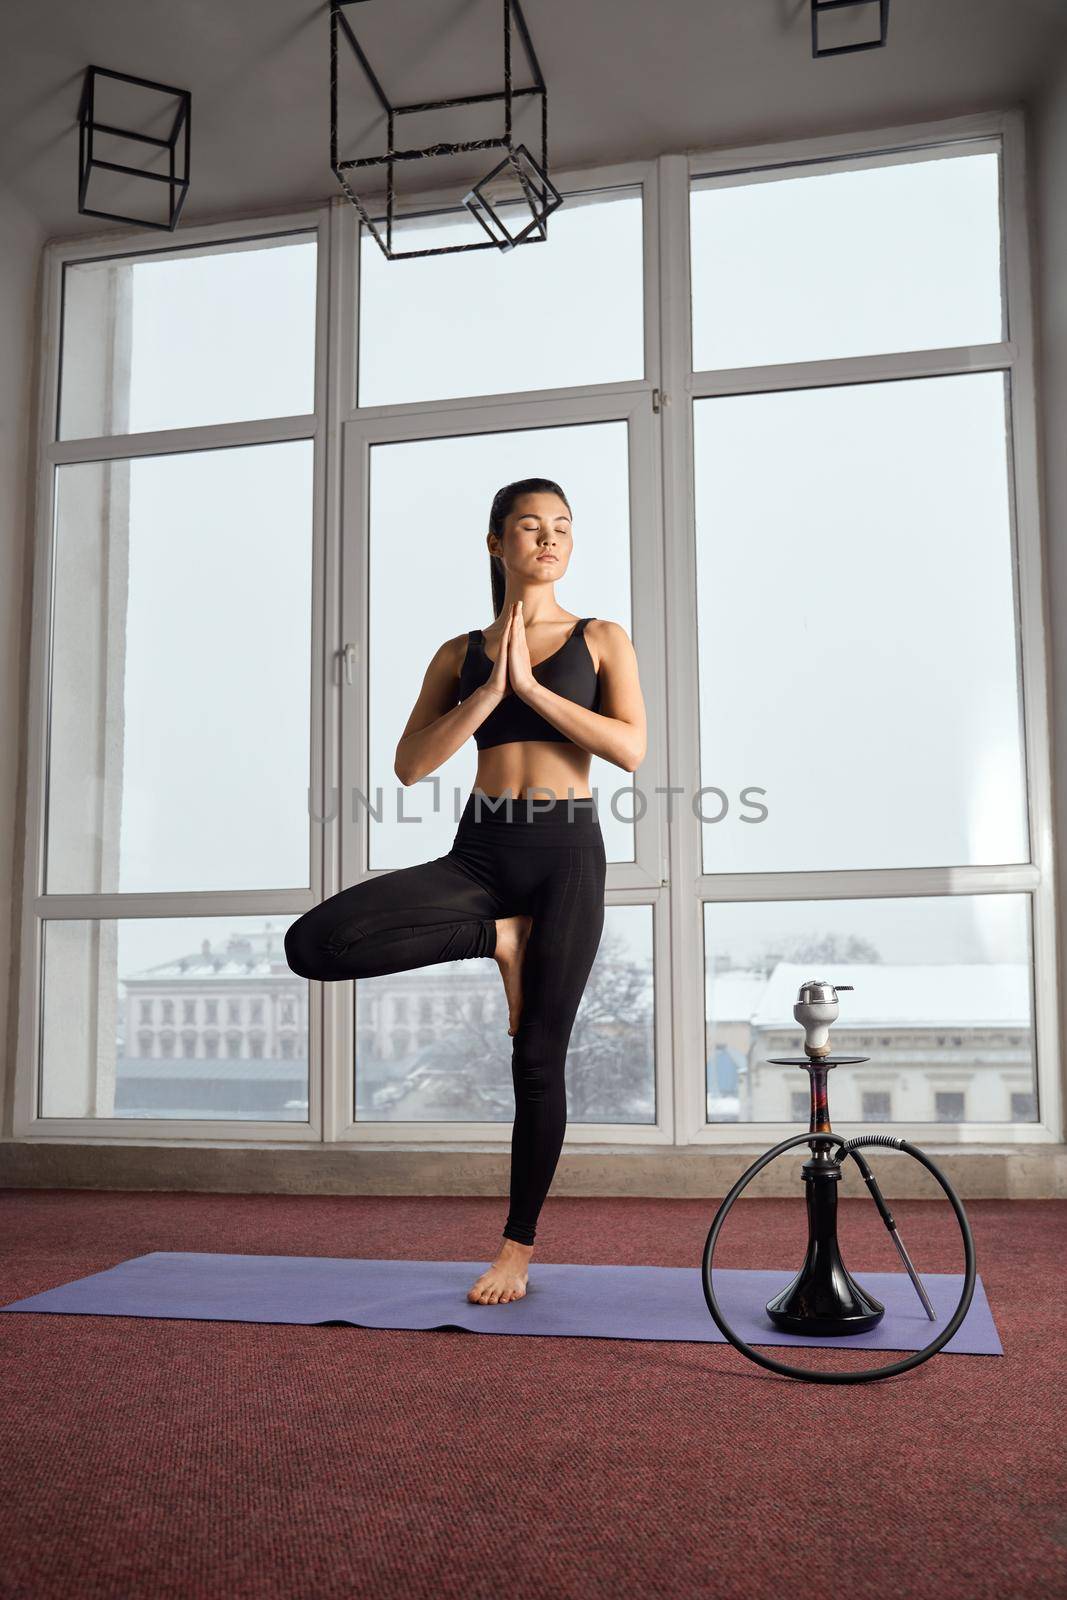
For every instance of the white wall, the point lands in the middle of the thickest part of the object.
(21, 238)
(1049, 129)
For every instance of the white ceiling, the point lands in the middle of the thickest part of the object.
(626, 79)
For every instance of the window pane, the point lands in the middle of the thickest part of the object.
(949, 1106)
(901, 255)
(942, 1006)
(429, 580)
(876, 1105)
(179, 727)
(180, 339)
(568, 310)
(857, 628)
(432, 1045)
(173, 1018)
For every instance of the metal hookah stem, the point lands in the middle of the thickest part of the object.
(920, 1291)
(887, 1216)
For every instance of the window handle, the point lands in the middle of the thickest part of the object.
(350, 653)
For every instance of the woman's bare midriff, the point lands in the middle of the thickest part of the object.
(549, 768)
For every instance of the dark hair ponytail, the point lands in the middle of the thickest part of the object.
(503, 501)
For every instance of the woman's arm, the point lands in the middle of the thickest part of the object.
(438, 725)
(618, 732)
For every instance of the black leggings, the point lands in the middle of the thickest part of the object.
(509, 856)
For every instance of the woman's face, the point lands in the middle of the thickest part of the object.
(538, 528)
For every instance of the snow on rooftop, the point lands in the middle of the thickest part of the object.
(734, 996)
(251, 953)
(955, 994)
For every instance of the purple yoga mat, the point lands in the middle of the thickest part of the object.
(585, 1302)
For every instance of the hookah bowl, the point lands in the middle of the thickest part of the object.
(823, 1298)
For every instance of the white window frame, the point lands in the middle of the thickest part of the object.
(1014, 356)
(659, 411)
(50, 454)
(639, 882)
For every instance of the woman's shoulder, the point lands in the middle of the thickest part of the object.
(610, 635)
(449, 656)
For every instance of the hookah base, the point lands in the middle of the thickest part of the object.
(829, 1309)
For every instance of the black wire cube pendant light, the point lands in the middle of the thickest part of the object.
(529, 175)
(160, 98)
(819, 7)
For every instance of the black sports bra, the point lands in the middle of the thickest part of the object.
(568, 671)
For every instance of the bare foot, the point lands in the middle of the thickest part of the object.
(506, 1279)
(511, 936)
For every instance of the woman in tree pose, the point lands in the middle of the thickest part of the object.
(541, 691)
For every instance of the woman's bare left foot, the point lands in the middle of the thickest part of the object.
(506, 1279)
(511, 936)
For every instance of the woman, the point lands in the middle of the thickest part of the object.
(523, 882)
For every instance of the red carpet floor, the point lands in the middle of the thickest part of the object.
(198, 1459)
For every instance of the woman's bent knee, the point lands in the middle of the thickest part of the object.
(300, 949)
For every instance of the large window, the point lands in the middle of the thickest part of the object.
(788, 393)
(431, 1047)
(860, 659)
(174, 686)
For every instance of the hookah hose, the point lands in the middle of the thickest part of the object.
(847, 1147)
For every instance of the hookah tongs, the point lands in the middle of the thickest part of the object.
(815, 1010)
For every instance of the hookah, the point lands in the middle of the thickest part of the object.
(824, 1298)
